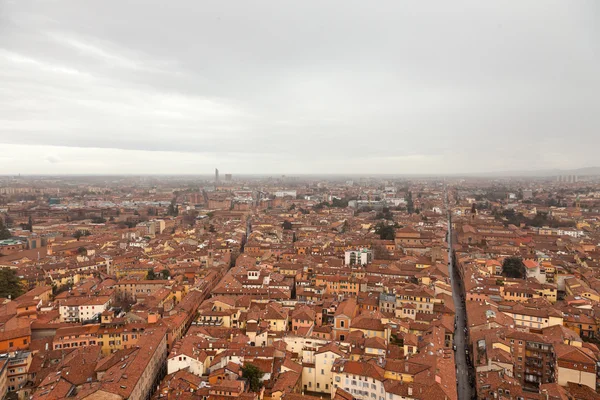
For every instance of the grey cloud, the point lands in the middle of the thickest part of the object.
(455, 86)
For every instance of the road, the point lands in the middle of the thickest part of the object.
(463, 370)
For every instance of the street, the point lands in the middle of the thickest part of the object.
(463, 369)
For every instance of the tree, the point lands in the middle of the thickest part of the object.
(81, 232)
(189, 219)
(30, 224)
(82, 251)
(123, 301)
(287, 225)
(4, 232)
(385, 231)
(384, 214)
(253, 375)
(292, 207)
(410, 206)
(319, 206)
(151, 275)
(513, 267)
(380, 252)
(98, 220)
(173, 209)
(10, 284)
(165, 273)
(341, 203)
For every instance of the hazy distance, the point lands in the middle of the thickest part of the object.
(308, 87)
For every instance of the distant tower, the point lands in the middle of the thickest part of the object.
(577, 202)
(216, 175)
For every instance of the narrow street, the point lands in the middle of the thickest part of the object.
(463, 369)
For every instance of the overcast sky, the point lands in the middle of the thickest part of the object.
(118, 86)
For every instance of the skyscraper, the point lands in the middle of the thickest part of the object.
(216, 175)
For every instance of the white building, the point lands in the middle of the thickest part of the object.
(286, 193)
(193, 362)
(78, 309)
(358, 257)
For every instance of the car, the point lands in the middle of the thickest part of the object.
(454, 347)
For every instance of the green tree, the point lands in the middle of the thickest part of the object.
(341, 203)
(10, 284)
(81, 232)
(384, 214)
(513, 267)
(287, 225)
(165, 273)
(4, 232)
(151, 275)
(385, 231)
(253, 375)
(82, 251)
(173, 209)
(410, 206)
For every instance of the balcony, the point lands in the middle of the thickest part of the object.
(543, 348)
(210, 322)
(533, 371)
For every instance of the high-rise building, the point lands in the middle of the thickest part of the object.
(228, 177)
(216, 175)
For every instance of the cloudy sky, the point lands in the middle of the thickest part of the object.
(121, 86)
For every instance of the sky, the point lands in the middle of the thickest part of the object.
(304, 87)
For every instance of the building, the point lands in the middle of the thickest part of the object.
(18, 365)
(534, 359)
(10, 246)
(575, 364)
(358, 257)
(286, 193)
(364, 380)
(79, 309)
